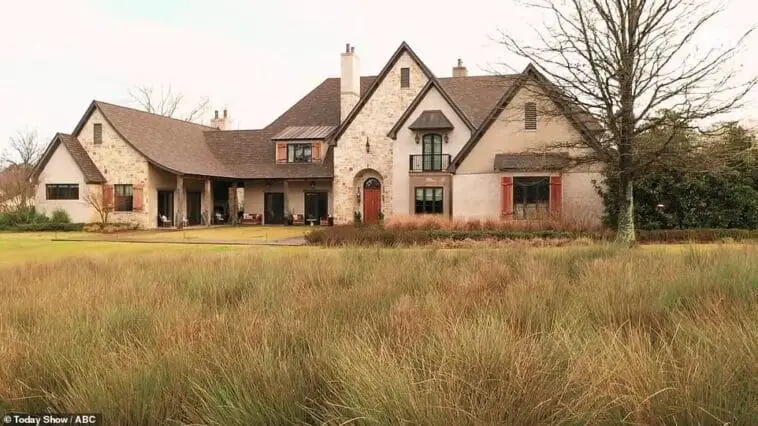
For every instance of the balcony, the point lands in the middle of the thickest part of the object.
(429, 163)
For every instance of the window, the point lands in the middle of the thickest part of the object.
(530, 116)
(98, 133)
(123, 198)
(531, 197)
(405, 77)
(62, 191)
(299, 153)
(432, 152)
(429, 200)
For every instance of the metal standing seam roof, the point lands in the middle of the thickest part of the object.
(304, 132)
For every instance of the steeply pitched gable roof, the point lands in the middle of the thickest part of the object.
(432, 83)
(404, 48)
(578, 118)
(175, 145)
(89, 169)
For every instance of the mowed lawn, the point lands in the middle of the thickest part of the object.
(192, 334)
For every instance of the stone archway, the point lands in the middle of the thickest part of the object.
(369, 185)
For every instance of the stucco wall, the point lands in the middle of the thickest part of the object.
(480, 196)
(376, 118)
(120, 164)
(61, 168)
(405, 145)
(255, 190)
(507, 133)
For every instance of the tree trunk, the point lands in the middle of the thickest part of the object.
(625, 233)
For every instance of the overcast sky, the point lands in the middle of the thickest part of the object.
(255, 58)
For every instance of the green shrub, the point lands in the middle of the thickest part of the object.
(21, 216)
(41, 227)
(60, 216)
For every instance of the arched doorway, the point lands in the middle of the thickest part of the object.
(372, 200)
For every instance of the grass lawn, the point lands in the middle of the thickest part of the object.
(254, 233)
(591, 334)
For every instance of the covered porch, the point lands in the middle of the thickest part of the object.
(288, 201)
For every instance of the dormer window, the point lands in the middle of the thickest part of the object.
(530, 116)
(299, 153)
(405, 77)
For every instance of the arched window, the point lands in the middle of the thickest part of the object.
(432, 151)
(372, 183)
(530, 116)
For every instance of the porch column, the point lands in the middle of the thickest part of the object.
(233, 204)
(208, 195)
(181, 203)
(286, 190)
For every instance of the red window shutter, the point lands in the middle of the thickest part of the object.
(556, 196)
(281, 153)
(108, 196)
(507, 198)
(316, 149)
(138, 200)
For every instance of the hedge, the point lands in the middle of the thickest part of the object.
(43, 226)
(377, 235)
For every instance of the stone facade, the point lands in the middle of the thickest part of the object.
(120, 164)
(371, 125)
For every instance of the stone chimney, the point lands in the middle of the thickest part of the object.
(221, 123)
(460, 70)
(350, 81)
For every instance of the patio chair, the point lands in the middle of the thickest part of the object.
(165, 222)
(219, 218)
(298, 219)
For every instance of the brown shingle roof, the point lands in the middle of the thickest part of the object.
(477, 95)
(172, 144)
(252, 154)
(79, 154)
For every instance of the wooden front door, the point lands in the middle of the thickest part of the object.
(372, 200)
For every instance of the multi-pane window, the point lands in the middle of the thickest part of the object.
(405, 77)
(530, 116)
(432, 152)
(97, 131)
(62, 191)
(299, 153)
(429, 200)
(123, 198)
(531, 197)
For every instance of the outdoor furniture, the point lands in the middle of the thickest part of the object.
(298, 219)
(165, 222)
(219, 218)
(324, 221)
(311, 221)
(252, 219)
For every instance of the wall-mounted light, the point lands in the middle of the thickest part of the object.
(418, 138)
(358, 195)
(313, 184)
(368, 146)
(446, 138)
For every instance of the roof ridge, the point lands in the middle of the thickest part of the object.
(152, 113)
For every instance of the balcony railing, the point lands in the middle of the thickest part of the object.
(429, 163)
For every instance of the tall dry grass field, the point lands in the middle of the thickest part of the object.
(523, 336)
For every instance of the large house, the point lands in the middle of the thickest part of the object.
(401, 142)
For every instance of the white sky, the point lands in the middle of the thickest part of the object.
(254, 57)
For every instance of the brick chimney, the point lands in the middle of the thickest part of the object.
(460, 70)
(350, 81)
(221, 123)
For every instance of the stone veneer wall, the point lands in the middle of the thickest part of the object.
(120, 164)
(376, 118)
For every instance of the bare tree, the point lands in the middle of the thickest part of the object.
(624, 61)
(16, 165)
(167, 103)
(24, 149)
(96, 200)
